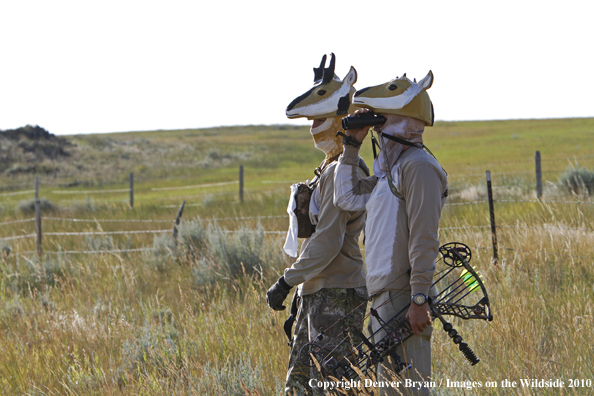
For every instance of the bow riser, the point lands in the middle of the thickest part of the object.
(461, 281)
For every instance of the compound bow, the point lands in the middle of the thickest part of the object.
(458, 282)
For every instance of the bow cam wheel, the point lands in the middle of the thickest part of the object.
(454, 253)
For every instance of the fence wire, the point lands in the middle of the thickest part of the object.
(91, 251)
(89, 191)
(252, 232)
(518, 227)
(17, 193)
(85, 234)
(542, 201)
(465, 203)
(536, 252)
(17, 221)
(18, 237)
(465, 227)
(462, 228)
(547, 228)
(194, 186)
(105, 220)
(519, 201)
(104, 233)
(245, 218)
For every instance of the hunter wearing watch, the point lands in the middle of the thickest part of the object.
(419, 299)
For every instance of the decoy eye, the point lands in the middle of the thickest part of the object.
(392, 87)
(321, 92)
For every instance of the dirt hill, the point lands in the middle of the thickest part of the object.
(24, 150)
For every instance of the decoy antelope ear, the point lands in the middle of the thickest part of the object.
(351, 77)
(427, 81)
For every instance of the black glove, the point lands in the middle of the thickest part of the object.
(277, 294)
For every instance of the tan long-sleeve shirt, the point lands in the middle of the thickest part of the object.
(400, 234)
(330, 257)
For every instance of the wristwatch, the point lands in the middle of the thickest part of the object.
(419, 299)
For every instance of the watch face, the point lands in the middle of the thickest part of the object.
(419, 299)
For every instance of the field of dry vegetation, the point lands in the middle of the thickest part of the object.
(145, 315)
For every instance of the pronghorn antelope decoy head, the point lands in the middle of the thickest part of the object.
(329, 97)
(399, 96)
(326, 103)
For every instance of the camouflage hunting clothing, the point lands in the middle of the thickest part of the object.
(321, 312)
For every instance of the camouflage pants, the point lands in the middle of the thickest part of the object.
(322, 311)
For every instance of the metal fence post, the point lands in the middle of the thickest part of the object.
(38, 218)
(131, 179)
(492, 215)
(538, 175)
(177, 220)
(240, 183)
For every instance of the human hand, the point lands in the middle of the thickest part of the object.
(360, 133)
(277, 294)
(418, 317)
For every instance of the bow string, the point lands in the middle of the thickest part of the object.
(461, 294)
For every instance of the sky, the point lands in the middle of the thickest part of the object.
(114, 66)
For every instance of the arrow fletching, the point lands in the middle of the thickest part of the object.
(470, 281)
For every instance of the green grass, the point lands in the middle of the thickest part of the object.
(188, 321)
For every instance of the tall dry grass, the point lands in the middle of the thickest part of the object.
(191, 319)
(142, 324)
(181, 321)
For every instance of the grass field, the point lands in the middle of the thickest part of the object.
(191, 319)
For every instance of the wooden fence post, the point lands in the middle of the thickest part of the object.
(538, 175)
(492, 215)
(131, 179)
(38, 218)
(240, 183)
(177, 220)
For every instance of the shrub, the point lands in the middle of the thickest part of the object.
(5, 249)
(88, 205)
(214, 252)
(191, 245)
(192, 238)
(40, 275)
(99, 243)
(204, 272)
(241, 251)
(238, 251)
(577, 180)
(164, 253)
(154, 349)
(28, 206)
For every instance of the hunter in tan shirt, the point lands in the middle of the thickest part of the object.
(331, 257)
(329, 269)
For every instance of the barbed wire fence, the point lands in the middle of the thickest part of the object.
(9, 189)
(175, 223)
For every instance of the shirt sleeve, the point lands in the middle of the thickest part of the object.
(324, 244)
(351, 192)
(423, 191)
